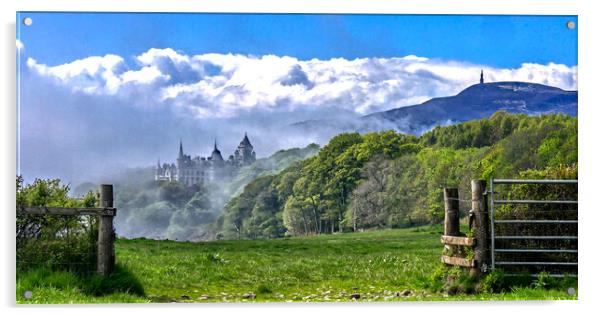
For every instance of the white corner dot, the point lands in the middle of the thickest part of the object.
(571, 291)
(570, 25)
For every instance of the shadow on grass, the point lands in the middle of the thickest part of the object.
(121, 280)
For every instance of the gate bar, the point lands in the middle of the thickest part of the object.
(538, 250)
(550, 275)
(536, 237)
(538, 221)
(533, 202)
(535, 263)
(519, 181)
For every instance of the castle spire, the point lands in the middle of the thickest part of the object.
(158, 163)
(482, 81)
(215, 144)
(181, 153)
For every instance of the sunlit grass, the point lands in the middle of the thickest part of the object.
(386, 265)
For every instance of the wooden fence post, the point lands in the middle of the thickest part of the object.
(452, 212)
(106, 248)
(481, 225)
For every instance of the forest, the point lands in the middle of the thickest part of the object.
(390, 180)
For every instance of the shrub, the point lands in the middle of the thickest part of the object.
(55, 241)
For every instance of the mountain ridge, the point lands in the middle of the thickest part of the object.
(475, 102)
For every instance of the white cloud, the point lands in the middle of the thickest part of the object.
(225, 85)
(20, 45)
(145, 75)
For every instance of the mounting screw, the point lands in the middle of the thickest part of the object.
(571, 291)
(570, 25)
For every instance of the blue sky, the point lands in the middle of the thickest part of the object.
(157, 78)
(497, 41)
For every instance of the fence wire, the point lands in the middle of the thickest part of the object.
(57, 242)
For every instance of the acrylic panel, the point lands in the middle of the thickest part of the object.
(196, 157)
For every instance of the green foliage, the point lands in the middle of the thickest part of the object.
(542, 281)
(50, 286)
(493, 282)
(387, 179)
(58, 242)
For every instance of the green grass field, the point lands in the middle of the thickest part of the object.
(388, 265)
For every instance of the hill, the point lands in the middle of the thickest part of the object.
(479, 101)
(388, 179)
(475, 102)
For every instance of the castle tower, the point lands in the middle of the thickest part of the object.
(180, 164)
(216, 168)
(216, 155)
(244, 154)
(482, 81)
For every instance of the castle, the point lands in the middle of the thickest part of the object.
(189, 171)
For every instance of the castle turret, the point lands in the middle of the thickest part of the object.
(244, 153)
(216, 155)
(482, 81)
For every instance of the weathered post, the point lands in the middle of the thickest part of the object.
(481, 225)
(452, 212)
(106, 249)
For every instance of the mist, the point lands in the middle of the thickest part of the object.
(98, 120)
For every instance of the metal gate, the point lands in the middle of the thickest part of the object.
(538, 253)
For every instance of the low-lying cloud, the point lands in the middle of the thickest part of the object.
(92, 116)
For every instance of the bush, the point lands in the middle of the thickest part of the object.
(55, 241)
(493, 282)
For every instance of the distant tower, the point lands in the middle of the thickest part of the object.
(244, 154)
(482, 81)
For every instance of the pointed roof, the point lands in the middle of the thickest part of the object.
(216, 154)
(245, 141)
(181, 152)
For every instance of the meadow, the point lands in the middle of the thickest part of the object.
(384, 265)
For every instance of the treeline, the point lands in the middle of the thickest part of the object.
(387, 179)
